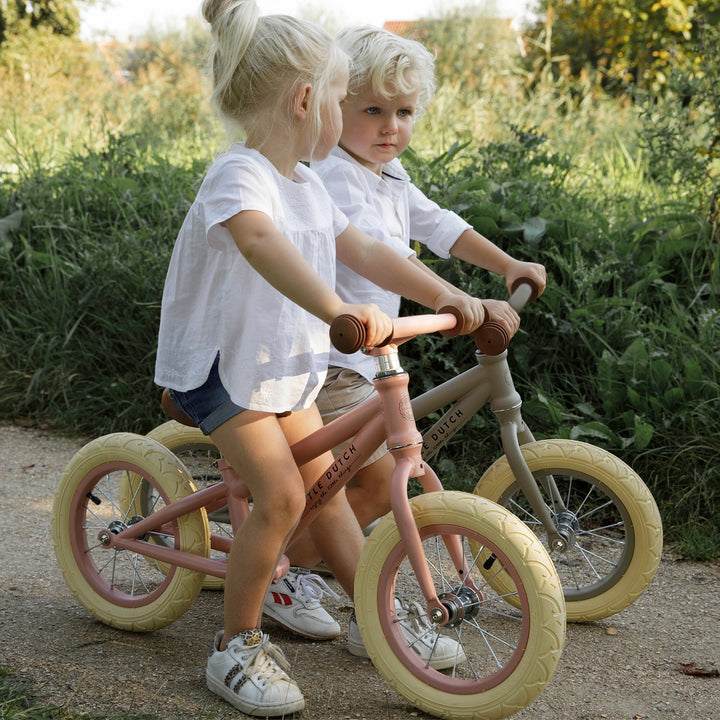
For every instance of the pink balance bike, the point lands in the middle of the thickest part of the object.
(132, 537)
(594, 514)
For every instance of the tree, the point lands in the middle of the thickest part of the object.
(627, 42)
(18, 17)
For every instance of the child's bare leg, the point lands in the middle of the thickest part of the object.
(368, 494)
(335, 531)
(254, 444)
(369, 491)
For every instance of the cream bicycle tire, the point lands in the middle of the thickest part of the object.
(120, 588)
(538, 630)
(630, 551)
(194, 449)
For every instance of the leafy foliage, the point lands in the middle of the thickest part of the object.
(621, 350)
(94, 237)
(472, 50)
(19, 17)
(681, 129)
(626, 42)
(618, 200)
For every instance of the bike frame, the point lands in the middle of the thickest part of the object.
(490, 381)
(387, 416)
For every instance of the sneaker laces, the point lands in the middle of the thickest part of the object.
(413, 618)
(311, 587)
(265, 663)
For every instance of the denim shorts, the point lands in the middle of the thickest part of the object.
(209, 405)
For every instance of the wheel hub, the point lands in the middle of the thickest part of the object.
(116, 527)
(461, 603)
(568, 527)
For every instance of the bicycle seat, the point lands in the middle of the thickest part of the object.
(173, 411)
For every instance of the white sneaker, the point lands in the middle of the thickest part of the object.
(438, 651)
(293, 601)
(251, 676)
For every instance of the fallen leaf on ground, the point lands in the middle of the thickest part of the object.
(693, 669)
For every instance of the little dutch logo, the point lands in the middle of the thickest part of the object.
(444, 429)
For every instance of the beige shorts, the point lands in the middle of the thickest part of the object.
(344, 390)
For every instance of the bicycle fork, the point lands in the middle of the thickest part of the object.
(405, 444)
(505, 402)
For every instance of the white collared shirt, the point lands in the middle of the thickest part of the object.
(391, 209)
(273, 354)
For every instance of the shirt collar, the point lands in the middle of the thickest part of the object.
(390, 171)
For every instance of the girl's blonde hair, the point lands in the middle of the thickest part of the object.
(388, 65)
(257, 63)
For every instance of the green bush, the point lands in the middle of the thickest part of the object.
(618, 202)
(81, 279)
(622, 350)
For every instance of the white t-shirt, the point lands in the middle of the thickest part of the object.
(391, 209)
(273, 354)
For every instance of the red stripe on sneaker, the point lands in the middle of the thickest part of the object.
(281, 599)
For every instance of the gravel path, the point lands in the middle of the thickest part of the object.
(628, 667)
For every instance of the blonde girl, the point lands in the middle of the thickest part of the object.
(243, 341)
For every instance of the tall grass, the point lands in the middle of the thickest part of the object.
(621, 350)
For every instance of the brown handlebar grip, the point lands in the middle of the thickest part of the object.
(347, 334)
(491, 338)
(452, 332)
(525, 281)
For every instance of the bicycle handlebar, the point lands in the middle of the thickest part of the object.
(491, 337)
(347, 333)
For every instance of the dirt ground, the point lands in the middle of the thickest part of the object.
(628, 667)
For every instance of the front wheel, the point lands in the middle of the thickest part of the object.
(505, 656)
(609, 518)
(121, 588)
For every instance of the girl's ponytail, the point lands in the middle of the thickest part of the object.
(233, 24)
(257, 63)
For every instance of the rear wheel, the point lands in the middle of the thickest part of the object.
(199, 455)
(121, 588)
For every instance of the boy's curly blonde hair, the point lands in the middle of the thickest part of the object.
(388, 65)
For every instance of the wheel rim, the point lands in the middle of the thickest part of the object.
(120, 576)
(494, 639)
(599, 528)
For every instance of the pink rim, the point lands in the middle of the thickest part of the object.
(81, 550)
(399, 644)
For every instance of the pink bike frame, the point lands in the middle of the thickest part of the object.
(387, 416)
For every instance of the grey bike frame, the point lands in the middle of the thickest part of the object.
(492, 382)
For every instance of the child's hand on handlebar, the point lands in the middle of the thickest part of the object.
(378, 325)
(533, 271)
(501, 312)
(472, 309)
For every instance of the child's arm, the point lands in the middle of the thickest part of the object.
(385, 267)
(273, 256)
(472, 247)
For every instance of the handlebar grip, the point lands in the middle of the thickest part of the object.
(347, 334)
(522, 292)
(452, 332)
(491, 338)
